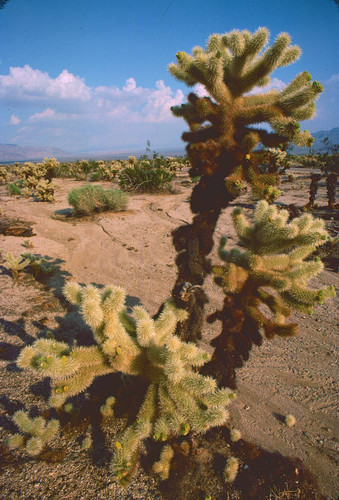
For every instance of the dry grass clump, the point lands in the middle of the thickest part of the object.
(90, 199)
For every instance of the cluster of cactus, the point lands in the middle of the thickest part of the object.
(5, 175)
(272, 270)
(34, 434)
(177, 399)
(331, 185)
(37, 179)
(230, 67)
(107, 171)
(44, 190)
(39, 266)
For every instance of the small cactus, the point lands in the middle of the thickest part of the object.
(15, 264)
(36, 433)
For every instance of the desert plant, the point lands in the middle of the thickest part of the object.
(28, 244)
(40, 266)
(90, 199)
(5, 175)
(177, 399)
(15, 264)
(230, 67)
(36, 179)
(331, 184)
(107, 171)
(315, 178)
(146, 175)
(231, 469)
(44, 190)
(14, 188)
(222, 141)
(34, 434)
(267, 280)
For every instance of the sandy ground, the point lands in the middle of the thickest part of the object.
(133, 249)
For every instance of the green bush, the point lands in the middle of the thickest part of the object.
(146, 175)
(13, 188)
(90, 199)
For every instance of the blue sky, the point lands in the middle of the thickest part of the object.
(83, 75)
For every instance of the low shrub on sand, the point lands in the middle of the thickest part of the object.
(90, 199)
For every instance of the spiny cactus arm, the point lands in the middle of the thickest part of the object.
(125, 455)
(279, 54)
(145, 327)
(15, 441)
(62, 389)
(242, 226)
(73, 292)
(113, 300)
(128, 441)
(166, 323)
(289, 102)
(276, 305)
(304, 299)
(270, 232)
(15, 263)
(51, 430)
(118, 344)
(162, 466)
(40, 431)
(190, 114)
(56, 359)
(193, 355)
(33, 426)
(259, 101)
(245, 46)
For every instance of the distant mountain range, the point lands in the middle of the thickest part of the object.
(14, 152)
(318, 146)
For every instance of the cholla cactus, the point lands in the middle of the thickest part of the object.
(331, 184)
(36, 433)
(37, 178)
(5, 175)
(178, 399)
(315, 178)
(230, 68)
(231, 469)
(39, 265)
(272, 271)
(162, 467)
(44, 190)
(15, 264)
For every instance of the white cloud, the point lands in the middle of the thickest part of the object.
(67, 96)
(98, 114)
(28, 85)
(130, 85)
(14, 120)
(46, 114)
